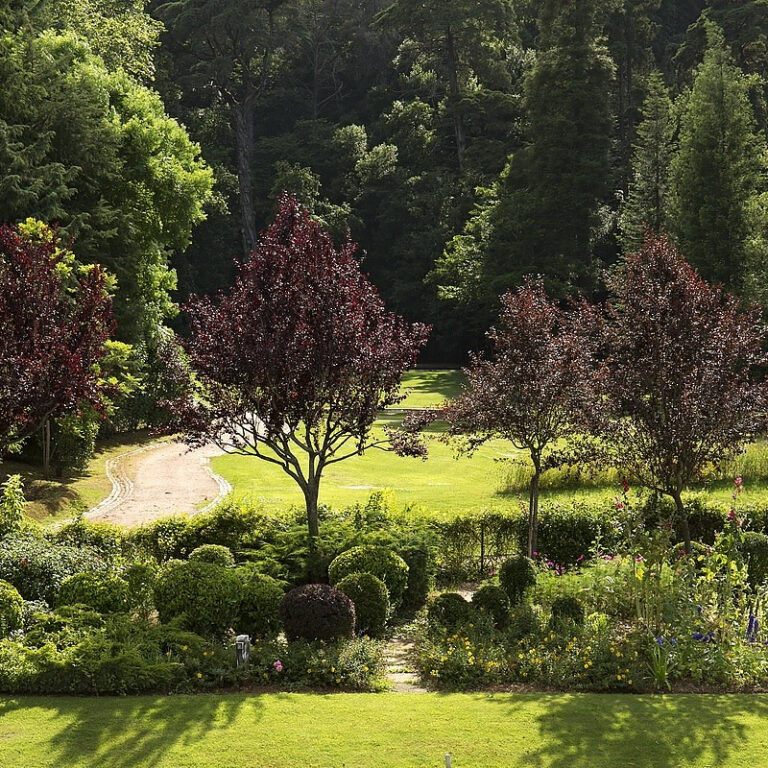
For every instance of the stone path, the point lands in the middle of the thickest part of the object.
(400, 673)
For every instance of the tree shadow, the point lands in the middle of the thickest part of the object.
(587, 731)
(137, 730)
(444, 385)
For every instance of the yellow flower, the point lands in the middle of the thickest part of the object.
(333, 669)
(365, 669)
(184, 648)
(199, 675)
(338, 680)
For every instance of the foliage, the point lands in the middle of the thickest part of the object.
(258, 610)
(212, 553)
(677, 375)
(532, 391)
(421, 566)
(11, 505)
(11, 609)
(201, 596)
(494, 601)
(567, 610)
(378, 561)
(56, 320)
(754, 549)
(317, 612)
(102, 592)
(516, 575)
(450, 610)
(37, 567)
(304, 341)
(371, 598)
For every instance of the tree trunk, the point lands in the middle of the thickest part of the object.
(244, 137)
(533, 512)
(683, 517)
(47, 448)
(455, 98)
(311, 494)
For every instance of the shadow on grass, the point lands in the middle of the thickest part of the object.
(136, 731)
(587, 731)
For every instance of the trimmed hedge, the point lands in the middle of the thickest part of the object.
(11, 609)
(493, 600)
(754, 550)
(202, 597)
(516, 575)
(258, 609)
(213, 553)
(102, 592)
(371, 599)
(450, 610)
(380, 561)
(317, 612)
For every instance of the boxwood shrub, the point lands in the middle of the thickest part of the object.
(380, 561)
(103, 592)
(516, 575)
(450, 611)
(213, 553)
(258, 608)
(317, 612)
(371, 598)
(493, 601)
(202, 597)
(11, 609)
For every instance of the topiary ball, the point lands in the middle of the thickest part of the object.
(317, 612)
(567, 611)
(421, 569)
(493, 601)
(102, 592)
(258, 612)
(380, 561)
(213, 553)
(202, 596)
(754, 550)
(11, 609)
(515, 576)
(450, 611)
(371, 599)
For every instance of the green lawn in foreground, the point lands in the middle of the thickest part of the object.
(385, 731)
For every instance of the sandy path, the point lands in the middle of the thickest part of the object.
(159, 480)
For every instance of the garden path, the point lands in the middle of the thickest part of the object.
(400, 673)
(159, 480)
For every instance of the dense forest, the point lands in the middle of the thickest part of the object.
(463, 144)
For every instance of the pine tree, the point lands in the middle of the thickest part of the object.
(717, 175)
(648, 201)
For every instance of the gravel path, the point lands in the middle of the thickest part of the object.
(158, 480)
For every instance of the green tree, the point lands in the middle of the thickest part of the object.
(717, 175)
(648, 202)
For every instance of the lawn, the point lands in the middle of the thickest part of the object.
(445, 484)
(385, 731)
(49, 500)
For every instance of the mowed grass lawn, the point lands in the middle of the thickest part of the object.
(444, 484)
(385, 731)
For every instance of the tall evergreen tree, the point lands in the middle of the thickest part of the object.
(543, 212)
(648, 201)
(718, 173)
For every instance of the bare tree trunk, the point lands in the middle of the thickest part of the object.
(682, 516)
(533, 512)
(47, 448)
(244, 137)
(455, 99)
(311, 494)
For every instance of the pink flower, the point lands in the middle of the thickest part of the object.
(579, 558)
(639, 559)
(535, 554)
(278, 665)
(550, 564)
(738, 481)
(607, 557)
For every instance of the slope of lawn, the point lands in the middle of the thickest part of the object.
(385, 731)
(52, 499)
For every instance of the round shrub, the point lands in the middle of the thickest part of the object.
(450, 610)
(11, 608)
(258, 612)
(493, 601)
(523, 622)
(515, 576)
(202, 596)
(213, 553)
(317, 612)
(567, 610)
(141, 578)
(754, 550)
(371, 599)
(102, 592)
(379, 561)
